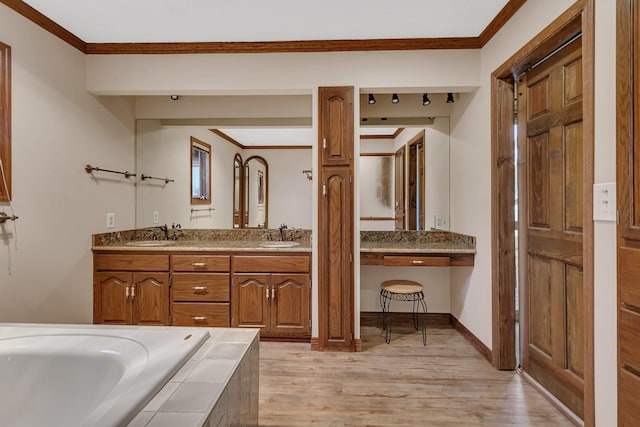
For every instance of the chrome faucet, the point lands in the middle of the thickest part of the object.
(165, 230)
(282, 228)
(175, 228)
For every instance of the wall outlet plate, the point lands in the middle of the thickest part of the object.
(111, 220)
(604, 202)
(156, 217)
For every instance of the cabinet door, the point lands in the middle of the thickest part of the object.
(250, 297)
(336, 125)
(290, 304)
(335, 269)
(111, 302)
(150, 296)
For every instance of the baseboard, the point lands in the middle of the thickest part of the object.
(315, 343)
(553, 400)
(475, 342)
(374, 318)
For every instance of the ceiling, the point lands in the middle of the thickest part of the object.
(126, 21)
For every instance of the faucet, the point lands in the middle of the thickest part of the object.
(282, 228)
(165, 230)
(175, 228)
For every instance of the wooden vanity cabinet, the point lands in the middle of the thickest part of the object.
(200, 294)
(272, 293)
(131, 289)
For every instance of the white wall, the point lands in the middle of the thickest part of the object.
(57, 128)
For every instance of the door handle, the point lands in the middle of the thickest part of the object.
(273, 293)
(267, 293)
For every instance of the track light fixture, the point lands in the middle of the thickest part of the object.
(394, 98)
(174, 97)
(425, 99)
(372, 99)
(450, 99)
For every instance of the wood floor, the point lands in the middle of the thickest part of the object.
(404, 383)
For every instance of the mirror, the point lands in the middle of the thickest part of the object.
(256, 193)
(277, 193)
(404, 163)
(238, 169)
(200, 172)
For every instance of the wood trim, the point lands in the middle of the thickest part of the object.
(208, 201)
(397, 132)
(261, 147)
(227, 138)
(377, 136)
(578, 18)
(283, 46)
(315, 344)
(377, 218)
(475, 342)
(500, 20)
(271, 46)
(245, 209)
(46, 23)
(553, 400)
(553, 36)
(376, 154)
(5, 120)
(374, 318)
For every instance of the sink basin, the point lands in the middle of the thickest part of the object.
(149, 243)
(278, 244)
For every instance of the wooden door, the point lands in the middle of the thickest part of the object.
(416, 182)
(250, 297)
(290, 304)
(628, 202)
(336, 125)
(399, 189)
(111, 297)
(150, 299)
(335, 290)
(551, 214)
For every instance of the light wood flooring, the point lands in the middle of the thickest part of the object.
(446, 383)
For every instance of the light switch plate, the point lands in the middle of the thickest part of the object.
(111, 220)
(441, 222)
(156, 217)
(604, 202)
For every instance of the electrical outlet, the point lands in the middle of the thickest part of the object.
(111, 220)
(156, 217)
(441, 222)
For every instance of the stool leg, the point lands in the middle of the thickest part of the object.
(385, 301)
(424, 322)
(415, 314)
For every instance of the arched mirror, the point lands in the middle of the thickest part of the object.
(238, 169)
(256, 193)
(250, 192)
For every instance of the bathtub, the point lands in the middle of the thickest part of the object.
(86, 375)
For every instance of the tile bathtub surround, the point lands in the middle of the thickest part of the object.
(218, 386)
(192, 234)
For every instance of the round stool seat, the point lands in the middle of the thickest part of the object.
(401, 286)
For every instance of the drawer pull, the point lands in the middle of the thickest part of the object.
(199, 264)
(267, 293)
(273, 293)
(417, 261)
(133, 292)
(197, 318)
(199, 288)
(126, 292)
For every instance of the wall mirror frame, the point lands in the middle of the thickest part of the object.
(250, 192)
(5, 121)
(200, 167)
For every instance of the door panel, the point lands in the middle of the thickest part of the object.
(249, 300)
(150, 298)
(550, 141)
(290, 306)
(114, 303)
(336, 125)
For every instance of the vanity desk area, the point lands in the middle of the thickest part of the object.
(416, 249)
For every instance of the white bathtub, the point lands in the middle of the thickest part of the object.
(65, 375)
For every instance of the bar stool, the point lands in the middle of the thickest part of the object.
(403, 290)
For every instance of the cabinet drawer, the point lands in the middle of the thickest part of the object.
(131, 262)
(205, 263)
(201, 314)
(271, 264)
(200, 287)
(417, 261)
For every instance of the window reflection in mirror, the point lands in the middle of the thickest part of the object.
(200, 172)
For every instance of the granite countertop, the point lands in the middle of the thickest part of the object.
(440, 242)
(203, 245)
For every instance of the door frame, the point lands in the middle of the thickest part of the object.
(579, 17)
(417, 156)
